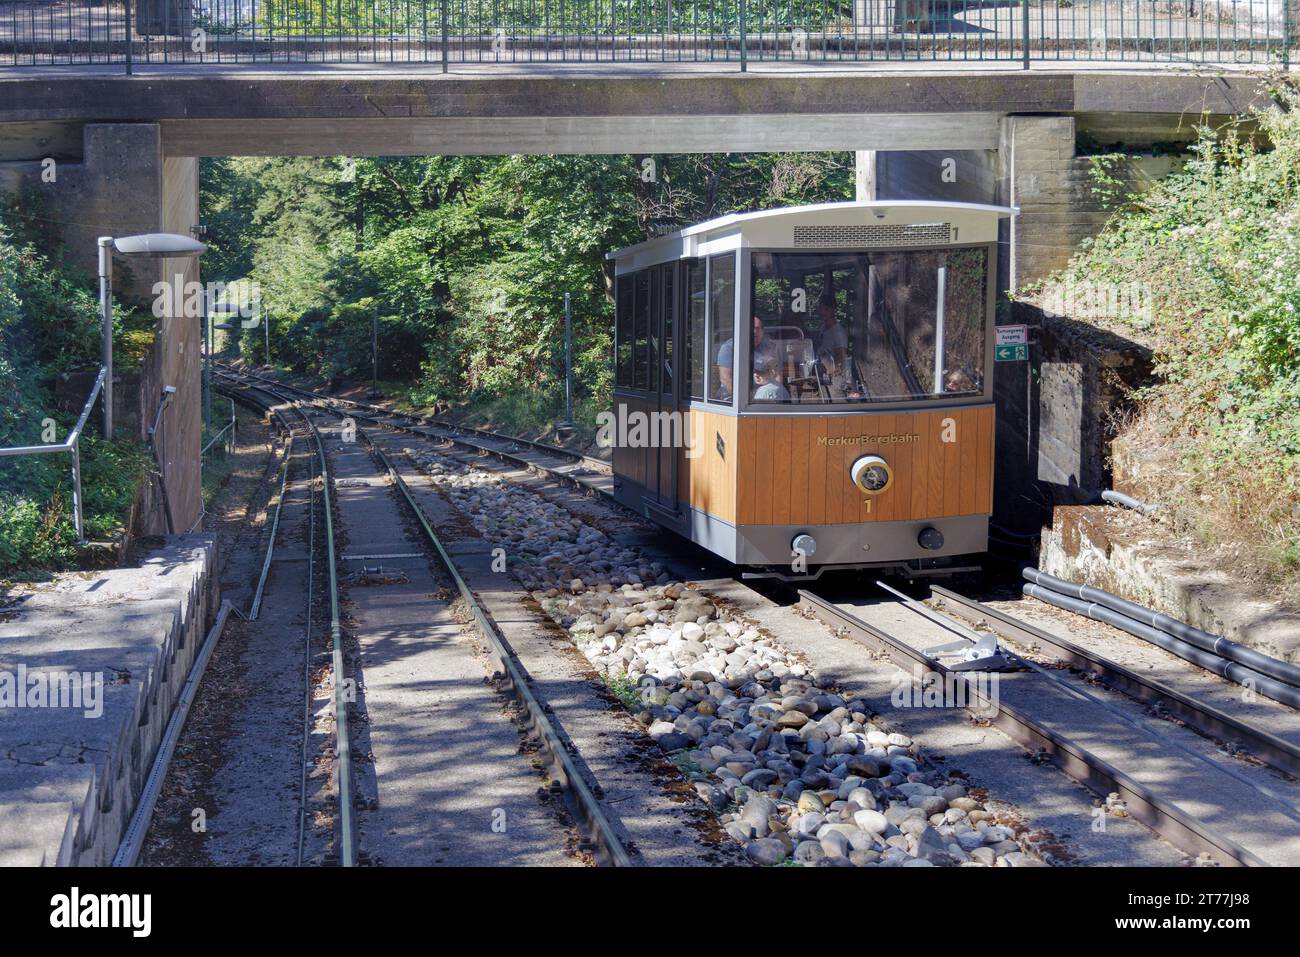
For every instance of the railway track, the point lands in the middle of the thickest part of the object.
(585, 809)
(1094, 742)
(1152, 805)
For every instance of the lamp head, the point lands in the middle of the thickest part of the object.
(159, 245)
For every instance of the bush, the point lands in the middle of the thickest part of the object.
(1216, 248)
(49, 327)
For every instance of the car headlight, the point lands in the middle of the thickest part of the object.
(871, 474)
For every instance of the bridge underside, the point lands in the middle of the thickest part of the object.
(260, 111)
(125, 150)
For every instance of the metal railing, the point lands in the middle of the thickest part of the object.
(71, 444)
(227, 432)
(446, 32)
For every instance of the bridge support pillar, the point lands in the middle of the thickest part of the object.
(117, 183)
(1041, 175)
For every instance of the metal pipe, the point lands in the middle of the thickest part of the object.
(568, 362)
(71, 444)
(1214, 644)
(106, 326)
(167, 393)
(1210, 662)
(66, 444)
(1119, 498)
(939, 331)
(76, 493)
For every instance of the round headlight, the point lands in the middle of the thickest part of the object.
(930, 538)
(804, 544)
(871, 473)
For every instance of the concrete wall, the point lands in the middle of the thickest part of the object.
(1134, 557)
(119, 184)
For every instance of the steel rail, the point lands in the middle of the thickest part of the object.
(957, 628)
(440, 423)
(604, 840)
(328, 403)
(255, 608)
(343, 744)
(555, 747)
(1162, 816)
(1209, 720)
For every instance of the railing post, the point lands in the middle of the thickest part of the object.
(1024, 26)
(443, 6)
(127, 6)
(76, 491)
(743, 64)
(106, 328)
(1286, 34)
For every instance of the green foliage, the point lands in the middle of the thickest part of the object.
(623, 688)
(1216, 249)
(49, 328)
(402, 18)
(1107, 186)
(463, 262)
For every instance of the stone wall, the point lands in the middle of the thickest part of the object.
(1135, 557)
(67, 796)
(1057, 415)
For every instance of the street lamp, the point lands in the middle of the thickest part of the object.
(143, 246)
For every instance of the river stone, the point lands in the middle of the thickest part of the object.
(984, 855)
(675, 741)
(759, 778)
(765, 851)
(834, 844)
(809, 823)
(864, 766)
(809, 852)
(810, 801)
(871, 821)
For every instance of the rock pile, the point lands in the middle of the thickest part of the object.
(795, 771)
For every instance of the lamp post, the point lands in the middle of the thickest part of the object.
(374, 355)
(143, 246)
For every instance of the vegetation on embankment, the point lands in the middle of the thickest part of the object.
(1215, 253)
(49, 329)
(462, 262)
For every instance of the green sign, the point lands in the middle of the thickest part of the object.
(1012, 353)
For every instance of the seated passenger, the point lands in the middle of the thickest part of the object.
(831, 339)
(767, 381)
(959, 380)
(763, 348)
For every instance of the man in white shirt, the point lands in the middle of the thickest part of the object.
(832, 342)
(765, 351)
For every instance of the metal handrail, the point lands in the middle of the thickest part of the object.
(71, 444)
(734, 32)
(228, 427)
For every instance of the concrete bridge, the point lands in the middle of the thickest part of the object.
(126, 148)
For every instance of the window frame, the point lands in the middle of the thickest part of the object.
(621, 320)
(739, 279)
(745, 338)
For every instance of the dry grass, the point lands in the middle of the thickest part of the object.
(1245, 511)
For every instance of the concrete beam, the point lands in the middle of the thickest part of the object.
(222, 111)
(456, 136)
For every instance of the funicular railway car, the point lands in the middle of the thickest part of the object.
(810, 387)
